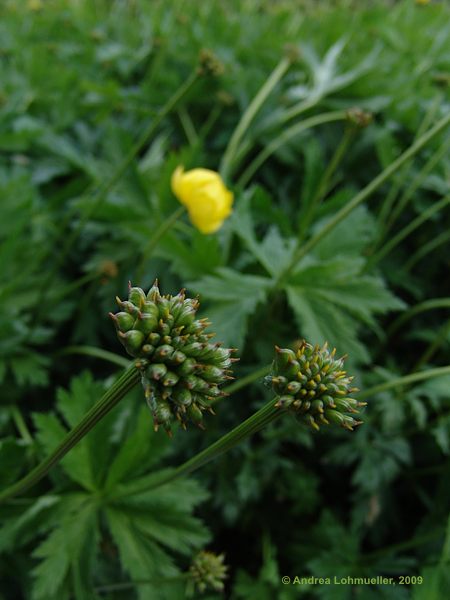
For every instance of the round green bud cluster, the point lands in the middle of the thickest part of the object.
(181, 369)
(208, 571)
(312, 384)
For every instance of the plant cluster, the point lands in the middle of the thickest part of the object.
(299, 190)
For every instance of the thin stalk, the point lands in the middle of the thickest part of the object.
(407, 230)
(299, 108)
(416, 541)
(392, 194)
(434, 346)
(406, 380)
(108, 401)
(443, 238)
(116, 359)
(71, 287)
(415, 184)
(363, 195)
(417, 309)
(325, 181)
(250, 378)
(253, 424)
(250, 113)
(284, 137)
(188, 126)
(153, 242)
(20, 424)
(99, 195)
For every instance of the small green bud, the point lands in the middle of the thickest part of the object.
(170, 379)
(123, 321)
(163, 352)
(156, 371)
(136, 296)
(145, 323)
(132, 340)
(187, 367)
(182, 396)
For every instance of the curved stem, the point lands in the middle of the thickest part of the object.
(426, 249)
(406, 380)
(407, 230)
(417, 309)
(250, 378)
(159, 233)
(249, 115)
(108, 401)
(253, 424)
(284, 137)
(97, 353)
(323, 186)
(433, 347)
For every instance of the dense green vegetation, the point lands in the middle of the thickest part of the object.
(300, 106)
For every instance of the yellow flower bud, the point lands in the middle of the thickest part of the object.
(205, 196)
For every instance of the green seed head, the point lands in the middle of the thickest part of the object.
(312, 384)
(181, 369)
(207, 571)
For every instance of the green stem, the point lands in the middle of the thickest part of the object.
(21, 425)
(97, 353)
(156, 237)
(253, 424)
(363, 195)
(395, 548)
(249, 115)
(284, 137)
(387, 205)
(325, 181)
(406, 380)
(403, 233)
(417, 309)
(250, 378)
(434, 346)
(426, 249)
(415, 184)
(300, 108)
(108, 401)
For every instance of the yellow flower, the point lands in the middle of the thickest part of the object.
(205, 196)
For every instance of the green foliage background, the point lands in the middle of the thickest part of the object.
(87, 149)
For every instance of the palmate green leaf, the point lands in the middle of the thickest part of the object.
(194, 257)
(274, 252)
(235, 297)
(17, 532)
(75, 533)
(141, 557)
(351, 236)
(329, 299)
(164, 515)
